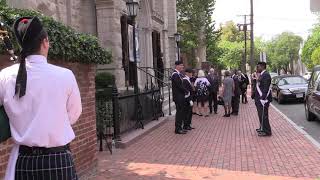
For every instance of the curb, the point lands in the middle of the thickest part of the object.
(310, 138)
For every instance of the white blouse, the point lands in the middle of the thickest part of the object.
(43, 117)
(202, 80)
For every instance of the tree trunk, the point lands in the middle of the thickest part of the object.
(201, 50)
(292, 66)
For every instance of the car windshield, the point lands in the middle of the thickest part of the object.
(294, 80)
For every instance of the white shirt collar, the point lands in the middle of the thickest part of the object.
(36, 59)
(262, 72)
(177, 71)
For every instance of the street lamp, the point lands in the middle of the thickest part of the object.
(132, 8)
(177, 37)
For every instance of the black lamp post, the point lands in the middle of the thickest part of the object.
(132, 8)
(177, 37)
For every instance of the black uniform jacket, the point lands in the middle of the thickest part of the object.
(264, 82)
(178, 90)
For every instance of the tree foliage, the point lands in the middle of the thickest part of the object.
(315, 57)
(231, 33)
(231, 54)
(310, 46)
(192, 15)
(230, 46)
(282, 49)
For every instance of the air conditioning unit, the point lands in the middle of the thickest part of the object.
(315, 5)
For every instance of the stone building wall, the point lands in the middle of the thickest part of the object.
(102, 18)
(79, 14)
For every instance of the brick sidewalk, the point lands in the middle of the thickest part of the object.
(219, 148)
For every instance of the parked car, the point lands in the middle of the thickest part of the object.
(312, 100)
(273, 74)
(307, 75)
(288, 87)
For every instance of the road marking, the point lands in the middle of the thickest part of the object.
(299, 128)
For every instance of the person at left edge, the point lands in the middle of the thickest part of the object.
(179, 94)
(189, 101)
(42, 102)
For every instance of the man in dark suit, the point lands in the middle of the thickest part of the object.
(244, 82)
(214, 89)
(189, 101)
(179, 96)
(237, 92)
(263, 98)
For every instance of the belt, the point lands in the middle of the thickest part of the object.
(42, 150)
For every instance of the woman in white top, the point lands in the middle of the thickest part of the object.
(202, 92)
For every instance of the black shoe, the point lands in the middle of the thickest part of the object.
(215, 113)
(259, 130)
(187, 128)
(235, 114)
(180, 132)
(264, 134)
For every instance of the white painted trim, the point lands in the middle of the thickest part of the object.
(310, 138)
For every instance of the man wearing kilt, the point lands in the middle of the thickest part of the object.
(42, 101)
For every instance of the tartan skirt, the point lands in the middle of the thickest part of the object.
(53, 166)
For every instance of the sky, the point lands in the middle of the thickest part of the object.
(272, 17)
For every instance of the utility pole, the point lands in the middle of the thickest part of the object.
(244, 28)
(252, 39)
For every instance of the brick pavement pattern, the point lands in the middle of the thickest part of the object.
(219, 148)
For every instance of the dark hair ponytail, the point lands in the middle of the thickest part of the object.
(34, 47)
(21, 82)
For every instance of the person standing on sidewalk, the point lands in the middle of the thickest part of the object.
(42, 102)
(263, 98)
(214, 89)
(193, 79)
(244, 82)
(189, 101)
(202, 86)
(236, 96)
(227, 93)
(179, 94)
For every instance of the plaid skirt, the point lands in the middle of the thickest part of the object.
(54, 166)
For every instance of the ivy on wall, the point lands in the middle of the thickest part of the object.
(65, 43)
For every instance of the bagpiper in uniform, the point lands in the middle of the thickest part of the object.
(42, 101)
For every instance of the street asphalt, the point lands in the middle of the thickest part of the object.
(295, 112)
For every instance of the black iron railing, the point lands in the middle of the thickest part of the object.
(116, 111)
(160, 80)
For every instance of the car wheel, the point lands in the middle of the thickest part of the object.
(279, 99)
(309, 115)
